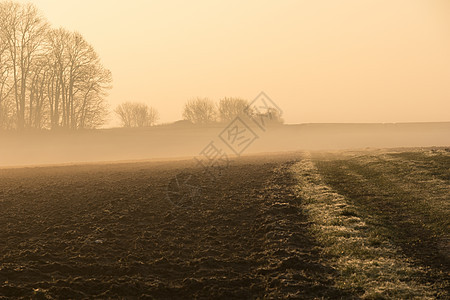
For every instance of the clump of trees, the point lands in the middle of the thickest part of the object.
(229, 108)
(49, 78)
(200, 111)
(133, 114)
(203, 111)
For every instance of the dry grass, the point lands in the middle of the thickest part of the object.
(368, 263)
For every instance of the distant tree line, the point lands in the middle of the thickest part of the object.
(199, 111)
(204, 111)
(49, 78)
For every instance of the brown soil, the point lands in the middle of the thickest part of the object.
(109, 231)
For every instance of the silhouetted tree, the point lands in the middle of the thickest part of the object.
(200, 111)
(77, 82)
(229, 108)
(23, 30)
(54, 78)
(133, 114)
(5, 85)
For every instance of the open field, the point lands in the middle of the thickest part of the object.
(353, 224)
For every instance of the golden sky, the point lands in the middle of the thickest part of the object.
(320, 60)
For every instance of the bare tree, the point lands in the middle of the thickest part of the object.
(37, 104)
(152, 116)
(229, 108)
(5, 83)
(54, 78)
(92, 109)
(133, 114)
(57, 63)
(77, 82)
(23, 31)
(200, 111)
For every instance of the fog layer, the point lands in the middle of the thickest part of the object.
(167, 142)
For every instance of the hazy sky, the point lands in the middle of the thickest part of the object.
(320, 60)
